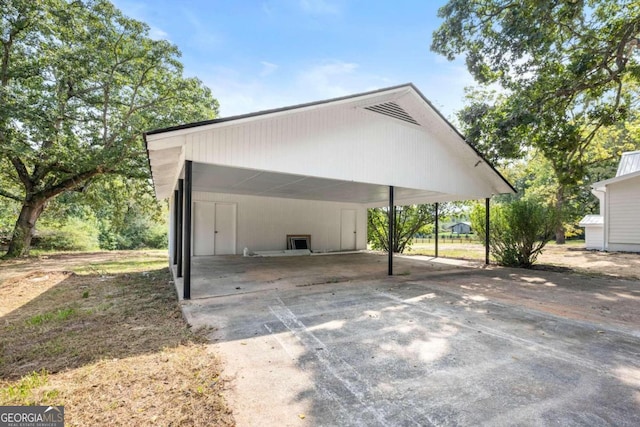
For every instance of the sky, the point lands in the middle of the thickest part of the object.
(257, 55)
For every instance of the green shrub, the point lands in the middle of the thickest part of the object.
(135, 233)
(75, 235)
(518, 231)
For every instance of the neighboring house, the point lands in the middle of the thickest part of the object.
(460, 228)
(617, 227)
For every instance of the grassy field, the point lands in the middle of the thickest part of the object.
(103, 335)
(462, 249)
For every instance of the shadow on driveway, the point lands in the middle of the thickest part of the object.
(437, 345)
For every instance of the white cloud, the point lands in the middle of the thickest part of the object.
(268, 68)
(158, 34)
(330, 79)
(240, 92)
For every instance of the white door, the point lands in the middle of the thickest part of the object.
(225, 229)
(348, 230)
(203, 227)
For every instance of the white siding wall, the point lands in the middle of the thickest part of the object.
(594, 237)
(624, 215)
(346, 144)
(263, 223)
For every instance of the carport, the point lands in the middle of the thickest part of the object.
(304, 176)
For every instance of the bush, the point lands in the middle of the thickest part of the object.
(518, 231)
(75, 235)
(409, 221)
(136, 233)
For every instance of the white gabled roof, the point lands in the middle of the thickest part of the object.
(629, 163)
(591, 220)
(345, 149)
(629, 167)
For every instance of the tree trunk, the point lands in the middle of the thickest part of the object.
(24, 228)
(560, 237)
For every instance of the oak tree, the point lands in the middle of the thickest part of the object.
(562, 66)
(79, 83)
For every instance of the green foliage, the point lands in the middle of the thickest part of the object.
(79, 84)
(518, 231)
(138, 232)
(58, 315)
(409, 221)
(22, 390)
(568, 70)
(75, 235)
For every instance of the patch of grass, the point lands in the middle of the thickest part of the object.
(58, 315)
(452, 251)
(21, 391)
(125, 344)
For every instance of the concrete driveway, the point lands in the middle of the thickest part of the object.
(331, 341)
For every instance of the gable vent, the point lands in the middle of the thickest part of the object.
(392, 109)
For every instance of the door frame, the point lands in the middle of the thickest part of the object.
(355, 229)
(234, 215)
(235, 224)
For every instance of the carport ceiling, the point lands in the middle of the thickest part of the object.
(231, 180)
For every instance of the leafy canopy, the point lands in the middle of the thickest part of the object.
(566, 70)
(562, 67)
(79, 84)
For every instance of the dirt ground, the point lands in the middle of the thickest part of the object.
(600, 291)
(102, 334)
(616, 264)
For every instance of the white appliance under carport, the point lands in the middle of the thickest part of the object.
(312, 170)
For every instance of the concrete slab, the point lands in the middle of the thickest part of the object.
(439, 344)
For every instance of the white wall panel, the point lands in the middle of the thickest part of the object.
(624, 212)
(594, 237)
(263, 222)
(346, 144)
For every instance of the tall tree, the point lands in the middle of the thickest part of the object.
(79, 83)
(563, 67)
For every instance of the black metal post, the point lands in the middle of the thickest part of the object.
(188, 186)
(436, 229)
(174, 243)
(486, 228)
(392, 226)
(180, 214)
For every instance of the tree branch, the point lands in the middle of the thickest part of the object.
(23, 173)
(72, 182)
(8, 195)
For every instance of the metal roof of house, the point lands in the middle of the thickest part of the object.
(591, 220)
(629, 163)
(628, 168)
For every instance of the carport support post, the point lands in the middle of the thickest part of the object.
(174, 244)
(179, 214)
(188, 185)
(436, 230)
(392, 226)
(486, 229)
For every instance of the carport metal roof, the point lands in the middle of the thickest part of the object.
(343, 149)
